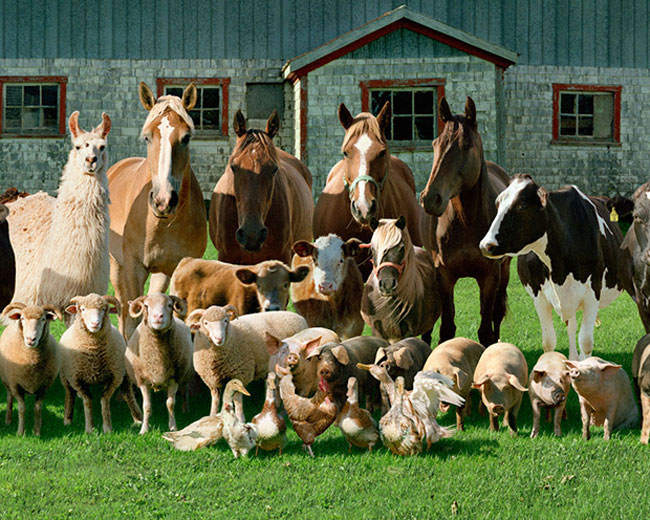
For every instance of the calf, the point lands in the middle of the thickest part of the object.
(641, 378)
(255, 288)
(568, 255)
(331, 296)
(7, 261)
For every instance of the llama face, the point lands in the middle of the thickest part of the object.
(89, 147)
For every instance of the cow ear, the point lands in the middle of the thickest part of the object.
(272, 343)
(538, 375)
(239, 123)
(273, 124)
(344, 116)
(381, 354)
(298, 274)
(147, 98)
(470, 113)
(444, 111)
(341, 354)
(543, 195)
(400, 223)
(514, 382)
(461, 377)
(383, 118)
(246, 276)
(303, 248)
(189, 97)
(404, 359)
(481, 381)
(352, 247)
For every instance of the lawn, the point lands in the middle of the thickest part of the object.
(68, 474)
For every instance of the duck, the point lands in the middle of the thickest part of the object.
(271, 428)
(356, 423)
(386, 383)
(239, 435)
(399, 428)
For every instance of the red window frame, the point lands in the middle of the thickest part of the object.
(438, 83)
(564, 87)
(224, 83)
(62, 82)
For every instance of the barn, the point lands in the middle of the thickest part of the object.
(561, 86)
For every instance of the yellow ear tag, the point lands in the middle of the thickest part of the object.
(613, 216)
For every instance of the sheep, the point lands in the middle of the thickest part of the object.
(61, 244)
(29, 358)
(230, 347)
(92, 353)
(159, 352)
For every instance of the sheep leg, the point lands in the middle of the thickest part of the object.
(129, 398)
(70, 396)
(159, 282)
(20, 400)
(38, 412)
(214, 405)
(171, 401)
(87, 399)
(146, 408)
(109, 390)
(10, 407)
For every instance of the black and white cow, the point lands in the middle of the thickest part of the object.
(568, 255)
(636, 245)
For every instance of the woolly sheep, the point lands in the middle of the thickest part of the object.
(29, 358)
(159, 352)
(92, 353)
(230, 347)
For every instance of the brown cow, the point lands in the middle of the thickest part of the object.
(261, 287)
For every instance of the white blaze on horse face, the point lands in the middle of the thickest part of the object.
(165, 157)
(363, 144)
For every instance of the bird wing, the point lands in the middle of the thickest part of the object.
(204, 432)
(436, 387)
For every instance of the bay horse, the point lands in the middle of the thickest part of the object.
(157, 210)
(367, 183)
(461, 192)
(262, 203)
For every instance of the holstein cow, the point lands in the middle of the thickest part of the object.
(568, 254)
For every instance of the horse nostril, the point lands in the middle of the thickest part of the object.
(373, 206)
(264, 233)
(173, 201)
(239, 235)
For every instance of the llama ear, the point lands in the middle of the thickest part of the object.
(189, 97)
(73, 124)
(273, 124)
(147, 98)
(344, 116)
(104, 127)
(239, 123)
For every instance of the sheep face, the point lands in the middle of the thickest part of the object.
(158, 310)
(33, 322)
(213, 322)
(92, 311)
(89, 150)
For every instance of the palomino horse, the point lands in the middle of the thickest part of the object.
(461, 191)
(262, 203)
(157, 210)
(368, 182)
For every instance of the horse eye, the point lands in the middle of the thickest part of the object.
(345, 154)
(77, 147)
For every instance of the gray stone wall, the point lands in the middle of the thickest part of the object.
(111, 86)
(602, 170)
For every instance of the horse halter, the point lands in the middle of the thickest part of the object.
(398, 267)
(377, 184)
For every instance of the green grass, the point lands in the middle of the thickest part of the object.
(67, 473)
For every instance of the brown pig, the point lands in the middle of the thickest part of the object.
(291, 353)
(641, 377)
(501, 375)
(606, 397)
(457, 359)
(337, 362)
(548, 387)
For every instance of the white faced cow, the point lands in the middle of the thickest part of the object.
(568, 254)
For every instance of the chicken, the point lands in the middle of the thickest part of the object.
(309, 417)
(240, 436)
(358, 426)
(271, 428)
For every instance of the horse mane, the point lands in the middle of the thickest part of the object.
(164, 104)
(410, 288)
(254, 137)
(364, 123)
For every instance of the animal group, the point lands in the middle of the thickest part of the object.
(368, 252)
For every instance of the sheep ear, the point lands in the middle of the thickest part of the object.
(114, 304)
(147, 98)
(72, 308)
(514, 382)
(341, 354)
(246, 276)
(381, 354)
(404, 359)
(298, 274)
(272, 343)
(104, 127)
(180, 306)
(194, 319)
(189, 97)
(13, 306)
(73, 124)
(136, 307)
(52, 312)
(231, 311)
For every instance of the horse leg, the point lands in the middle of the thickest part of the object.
(426, 336)
(500, 303)
(488, 287)
(159, 283)
(447, 325)
(128, 282)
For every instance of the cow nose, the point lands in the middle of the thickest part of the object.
(325, 287)
(273, 307)
(487, 246)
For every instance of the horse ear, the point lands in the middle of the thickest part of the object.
(189, 97)
(344, 116)
(273, 124)
(104, 127)
(400, 223)
(470, 112)
(239, 123)
(147, 98)
(444, 111)
(73, 124)
(384, 117)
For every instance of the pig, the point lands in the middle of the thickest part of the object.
(404, 358)
(291, 353)
(501, 375)
(548, 387)
(337, 362)
(641, 378)
(605, 393)
(457, 359)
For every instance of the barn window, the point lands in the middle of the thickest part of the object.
(586, 114)
(414, 119)
(32, 106)
(210, 114)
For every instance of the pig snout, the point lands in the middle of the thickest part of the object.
(293, 361)
(558, 396)
(326, 373)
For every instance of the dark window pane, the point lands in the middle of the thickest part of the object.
(51, 118)
(32, 96)
(210, 97)
(196, 117)
(567, 103)
(403, 128)
(174, 91)
(568, 125)
(585, 104)
(199, 97)
(424, 128)
(586, 126)
(424, 103)
(389, 132)
(211, 120)
(378, 99)
(14, 96)
(12, 118)
(402, 102)
(50, 95)
(31, 118)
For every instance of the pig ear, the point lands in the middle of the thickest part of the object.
(312, 344)
(341, 354)
(298, 274)
(315, 352)
(461, 377)
(608, 367)
(514, 382)
(480, 382)
(381, 354)
(538, 375)
(272, 343)
(403, 358)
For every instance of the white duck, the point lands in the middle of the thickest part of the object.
(240, 436)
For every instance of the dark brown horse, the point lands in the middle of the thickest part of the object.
(461, 191)
(368, 182)
(262, 203)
